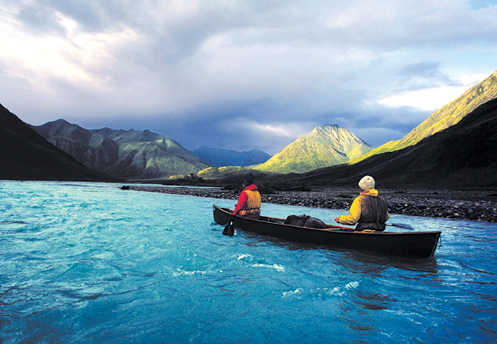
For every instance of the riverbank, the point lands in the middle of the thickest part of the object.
(471, 205)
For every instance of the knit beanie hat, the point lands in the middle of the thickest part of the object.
(366, 183)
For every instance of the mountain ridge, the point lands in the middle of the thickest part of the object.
(127, 154)
(445, 117)
(461, 156)
(26, 155)
(220, 157)
(325, 145)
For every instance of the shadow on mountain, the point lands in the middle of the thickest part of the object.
(461, 156)
(25, 155)
(137, 155)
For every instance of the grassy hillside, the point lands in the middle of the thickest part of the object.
(444, 117)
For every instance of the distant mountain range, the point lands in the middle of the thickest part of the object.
(326, 145)
(143, 155)
(443, 118)
(454, 148)
(127, 154)
(25, 155)
(226, 157)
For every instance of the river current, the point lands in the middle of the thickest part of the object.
(90, 263)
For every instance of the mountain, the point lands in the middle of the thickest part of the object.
(127, 154)
(461, 156)
(226, 157)
(445, 117)
(325, 145)
(26, 155)
(95, 151)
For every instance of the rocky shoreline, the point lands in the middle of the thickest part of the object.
(470, 205)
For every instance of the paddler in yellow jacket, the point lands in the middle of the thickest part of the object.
(369, 210)
(249, 203)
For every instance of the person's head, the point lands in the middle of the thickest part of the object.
(366, 183)
(248, 180)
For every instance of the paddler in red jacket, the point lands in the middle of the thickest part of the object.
(249, 203)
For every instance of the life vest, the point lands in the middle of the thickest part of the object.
(374, 212)
(253, 206)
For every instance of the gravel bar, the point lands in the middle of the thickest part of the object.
(470, 205)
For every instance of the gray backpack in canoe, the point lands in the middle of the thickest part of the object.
(305, 221)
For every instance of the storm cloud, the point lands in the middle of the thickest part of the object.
(242, 74)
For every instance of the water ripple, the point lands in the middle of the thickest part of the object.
(90, 263)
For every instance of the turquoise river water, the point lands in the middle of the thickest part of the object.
(90, 263)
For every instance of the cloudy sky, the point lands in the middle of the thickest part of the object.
(243, 74)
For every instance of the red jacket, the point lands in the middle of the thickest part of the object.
(249, 201)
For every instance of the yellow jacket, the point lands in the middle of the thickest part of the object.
(355, 208)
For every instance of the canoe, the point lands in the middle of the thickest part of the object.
(401, 244)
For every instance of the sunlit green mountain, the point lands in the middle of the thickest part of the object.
(128, 154)
(444, 117)
(326, 145)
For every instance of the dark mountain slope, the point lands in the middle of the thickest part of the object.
(25, 155)
(461, 156)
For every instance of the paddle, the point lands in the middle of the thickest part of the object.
(399, 225)
(229, 230)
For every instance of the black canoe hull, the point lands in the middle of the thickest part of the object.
(405, 244)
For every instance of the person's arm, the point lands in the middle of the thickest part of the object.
(242, 201)
(354, 213)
